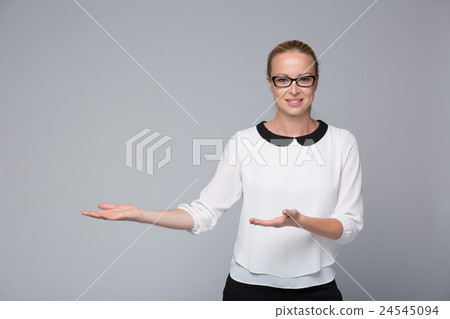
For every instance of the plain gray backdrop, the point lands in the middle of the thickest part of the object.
(71, 97)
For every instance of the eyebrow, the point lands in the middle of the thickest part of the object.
(282, 74)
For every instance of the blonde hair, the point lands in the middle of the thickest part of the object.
(292, 45)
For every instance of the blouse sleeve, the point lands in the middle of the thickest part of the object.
(349, 207)
(224, 189)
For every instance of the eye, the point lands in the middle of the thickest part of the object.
(282, 80)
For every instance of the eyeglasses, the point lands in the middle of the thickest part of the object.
(303, 81)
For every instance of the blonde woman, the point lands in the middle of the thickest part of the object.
(301, 183)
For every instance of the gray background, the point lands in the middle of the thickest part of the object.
(70, 98)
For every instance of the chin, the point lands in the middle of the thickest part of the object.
(291, 111)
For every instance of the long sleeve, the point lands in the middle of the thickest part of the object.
(224, 189)
(349, 207)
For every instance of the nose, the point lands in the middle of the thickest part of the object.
(294, 89)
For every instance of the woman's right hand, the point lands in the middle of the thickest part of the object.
(115, 212)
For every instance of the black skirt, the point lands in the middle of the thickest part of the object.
(238, 291)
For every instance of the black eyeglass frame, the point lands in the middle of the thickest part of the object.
(292, 80)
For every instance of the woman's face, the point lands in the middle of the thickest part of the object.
(293, 100)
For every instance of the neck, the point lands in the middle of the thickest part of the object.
(292, 126)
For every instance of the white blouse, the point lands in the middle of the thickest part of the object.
(318, 174)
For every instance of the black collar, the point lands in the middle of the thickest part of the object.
(281, 140)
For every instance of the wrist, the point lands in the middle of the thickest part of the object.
(302, 220)
(140, 215)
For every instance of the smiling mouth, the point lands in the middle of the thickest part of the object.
(294, 102)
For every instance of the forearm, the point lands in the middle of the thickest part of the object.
(327, 227)
(172, 218)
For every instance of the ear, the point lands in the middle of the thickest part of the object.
(270, 84)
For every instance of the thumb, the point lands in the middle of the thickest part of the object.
(106, 206)
(288, 212)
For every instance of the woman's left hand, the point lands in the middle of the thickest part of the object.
(290, 217)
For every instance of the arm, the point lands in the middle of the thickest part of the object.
(327, 227)
(200, 215)
(223, 190)
(171, 218)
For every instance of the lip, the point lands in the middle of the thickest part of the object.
(290, 101)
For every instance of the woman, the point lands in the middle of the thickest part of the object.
(292, 171)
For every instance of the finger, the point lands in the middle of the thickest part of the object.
(260, 222)
(87, 213)
(289, 212)
(90, 213)
(106, 206)
(96, 214)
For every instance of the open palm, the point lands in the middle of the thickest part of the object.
(115, 212)
(289, 217)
